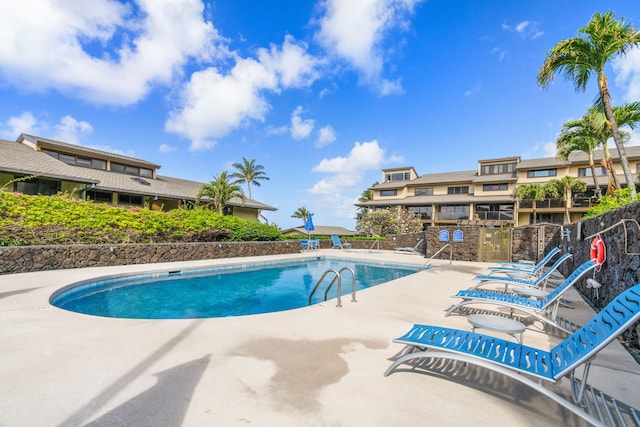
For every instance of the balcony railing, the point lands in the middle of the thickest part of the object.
(451, 216)
(494, 216)
(542, 204)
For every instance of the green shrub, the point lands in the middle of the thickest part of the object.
(619, 198)
(46, 220)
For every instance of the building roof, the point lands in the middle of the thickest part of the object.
(16, 157)
(321, 230)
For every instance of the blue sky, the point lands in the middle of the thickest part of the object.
(323, 94)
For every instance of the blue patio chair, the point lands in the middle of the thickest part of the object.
(540, 282)
(531, 366)
(304, 244)
(523, 267)
(337, 244)
(544, 309)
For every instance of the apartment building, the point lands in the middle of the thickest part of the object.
(486, 196)
(36, 165)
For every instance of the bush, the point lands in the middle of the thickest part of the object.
(619, 198)
(45, 220)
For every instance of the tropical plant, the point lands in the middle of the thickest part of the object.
(618, 199)
(564, 186)
(366, 196)
(218, 192)
(302, 213)
(536, 193)
(250, 173)
(580, 58)
(380, 222)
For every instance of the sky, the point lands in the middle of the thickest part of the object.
(323, 94)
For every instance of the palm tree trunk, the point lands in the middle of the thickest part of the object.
(596, 190)
(617, 138)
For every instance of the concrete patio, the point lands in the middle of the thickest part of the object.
(314, 366)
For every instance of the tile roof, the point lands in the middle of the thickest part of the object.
(19, 158)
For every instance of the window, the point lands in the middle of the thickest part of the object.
(74, 160)
(453, 212)
(34, 186)
(424, 212)
(423, 191)
(99, 196)
(553, 218)
(540, 173)
(496, 169)
(495, 187)
(458, 190)
(146, 172)
(131, 170)
(398, 176)
(129, 199)
(600, 171)
(117, 167)
(384, 193)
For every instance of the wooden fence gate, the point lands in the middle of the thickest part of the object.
(495, 244)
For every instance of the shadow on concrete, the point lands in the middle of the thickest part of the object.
(164, 404)
(17, 292)
(81, 416)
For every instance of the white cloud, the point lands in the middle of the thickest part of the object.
(326, 135)
(213, 103)
(300, 128)
(24, 123)
(71, 130)
(627, 69)
(540, 150)
(166, 149)
(355, 31)
(107, 52)
(345, 177)
(526, 29)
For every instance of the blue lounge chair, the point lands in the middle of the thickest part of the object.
(540, 282)
(409, 249)
(337, 244)
(525, 268)
(545, 309)
(531, 366)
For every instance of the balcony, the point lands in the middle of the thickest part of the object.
(542, 204)
(451, 216)
(493, 215)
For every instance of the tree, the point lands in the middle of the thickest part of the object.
(250, 173)
(571, 140)
(366, 196)
(218, 192)
(565, 185)
(580, 58)
(380, 222)
(534, 192)
(302, 213)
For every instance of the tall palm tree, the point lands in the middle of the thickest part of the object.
(250, 173)
(218, 192)
(302, 213)
(573, 138)
(580, 58)
(366, 196)
(534, 192)
(566, 185)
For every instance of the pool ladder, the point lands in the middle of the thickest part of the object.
(338, 277)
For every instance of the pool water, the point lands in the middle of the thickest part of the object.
(222, 291)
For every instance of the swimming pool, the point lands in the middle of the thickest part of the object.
(222, 291)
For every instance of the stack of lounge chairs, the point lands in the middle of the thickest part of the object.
(428, 346)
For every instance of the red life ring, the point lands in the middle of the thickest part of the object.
(598, 251)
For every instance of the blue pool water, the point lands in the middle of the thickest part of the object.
(222, 291)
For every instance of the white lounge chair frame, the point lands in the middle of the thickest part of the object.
(531, 366)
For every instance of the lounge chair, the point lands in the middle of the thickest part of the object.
(531, 366)
(544, 309)
(540, 282)
(409, 249)
(337, 244)
(525, 267)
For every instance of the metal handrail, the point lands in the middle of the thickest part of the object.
(338, 277)
(440, 250)
(376, 243)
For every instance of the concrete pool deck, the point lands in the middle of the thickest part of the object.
(314, 366)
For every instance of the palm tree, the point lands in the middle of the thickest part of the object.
(565, 185)
(250, 173)
(580, 58)
(301, 213)
(366, 196)
(218, 192)
(534, 192)
(572, 139)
